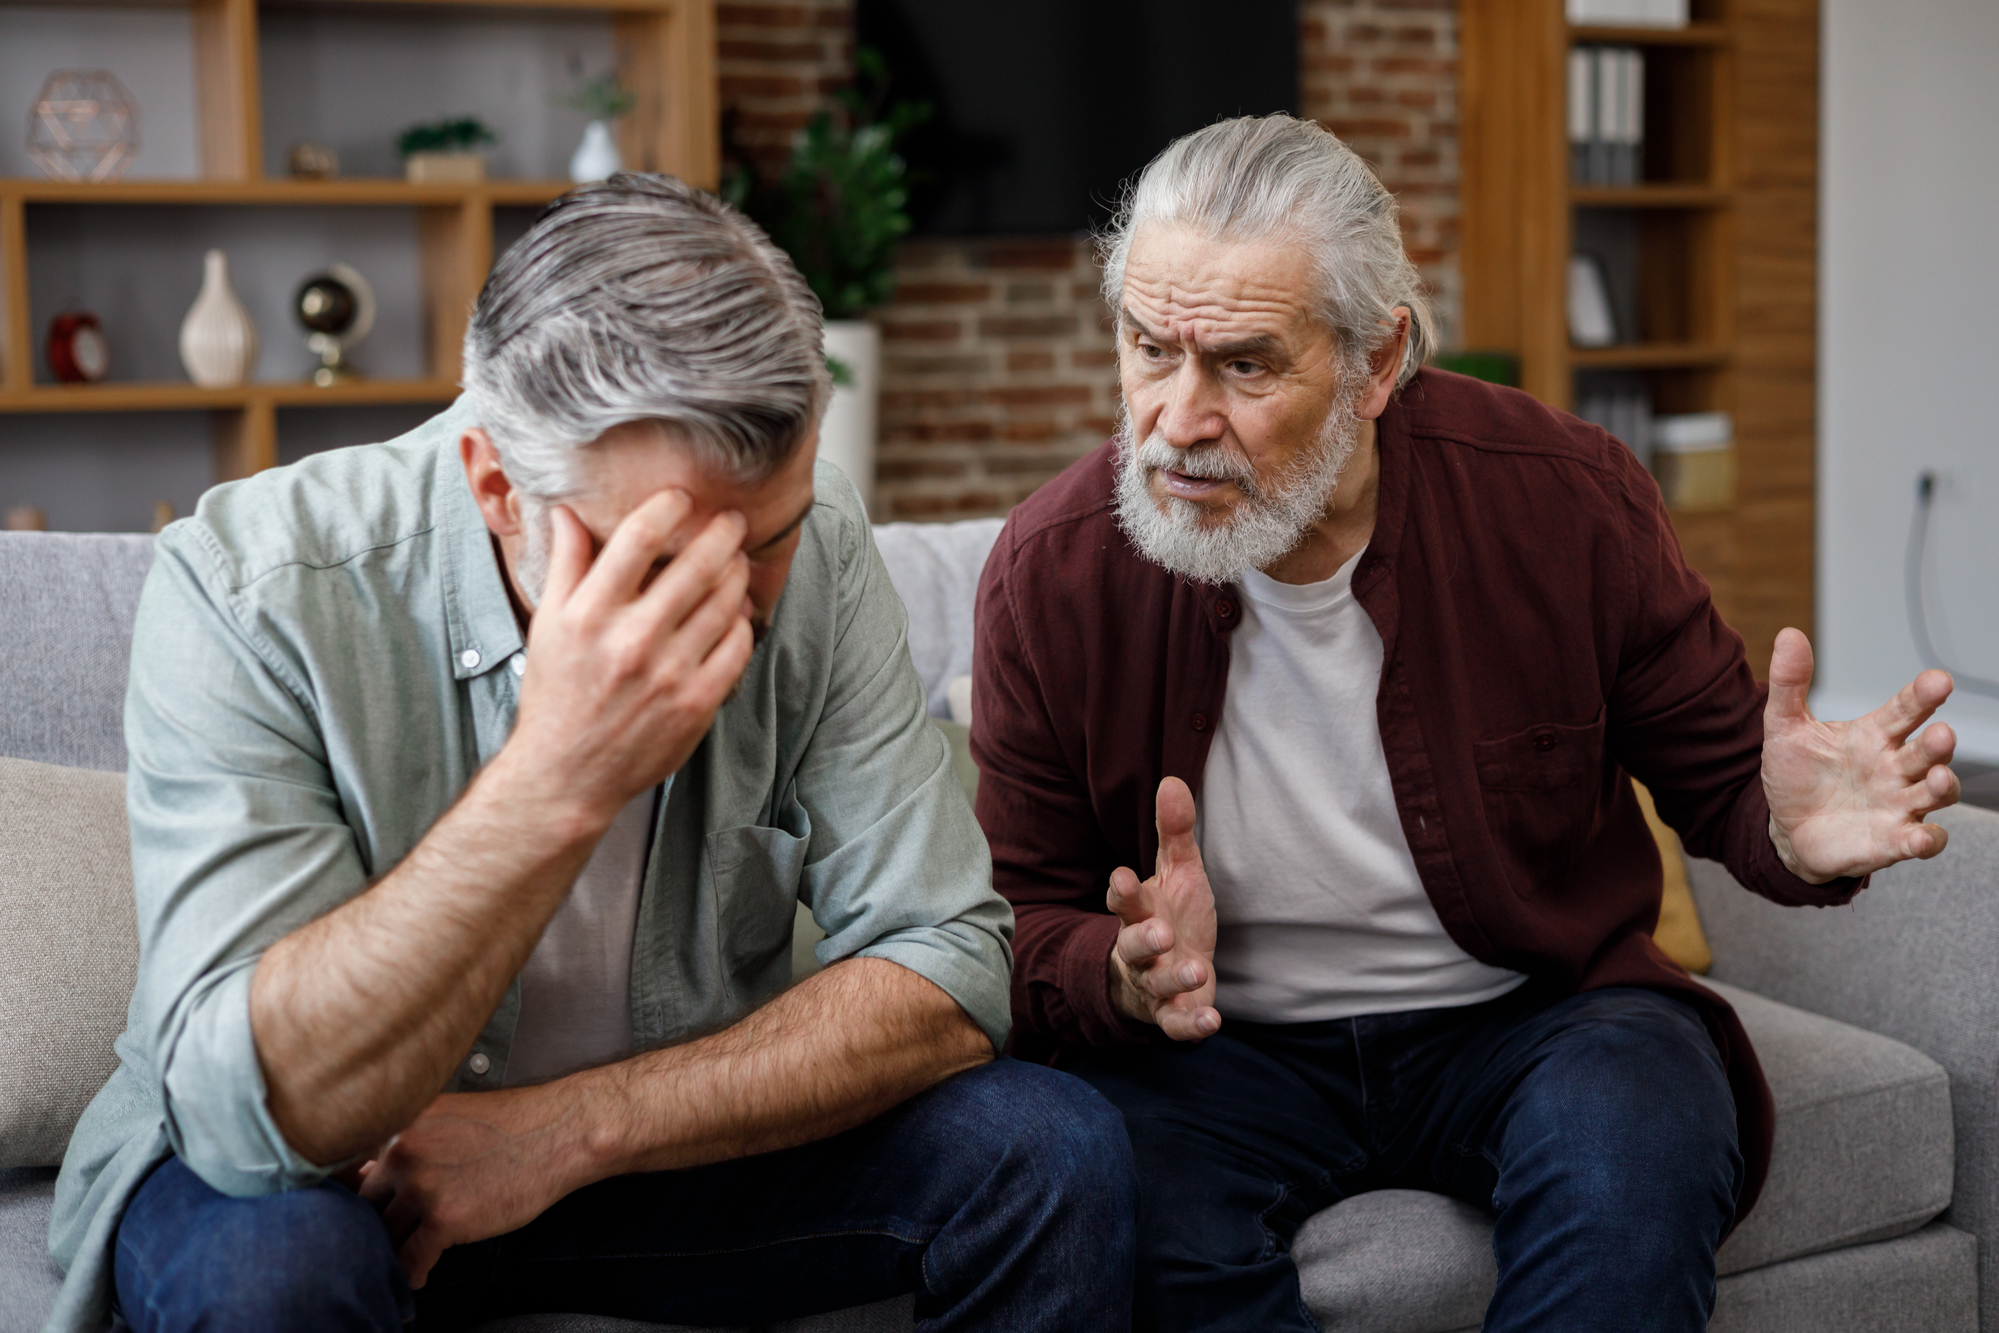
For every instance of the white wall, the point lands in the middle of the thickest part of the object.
(1909, 348)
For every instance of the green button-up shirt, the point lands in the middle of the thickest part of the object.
(324, 656)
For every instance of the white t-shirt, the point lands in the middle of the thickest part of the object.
(1321, 911)
(576, 1007)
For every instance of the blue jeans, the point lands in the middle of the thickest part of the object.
(1598, 1129)
(1003, 1198)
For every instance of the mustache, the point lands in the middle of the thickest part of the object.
(1209, 462)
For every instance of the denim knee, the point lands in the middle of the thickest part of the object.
(1634, 1109)
(189, 1256)
(1056, 1130)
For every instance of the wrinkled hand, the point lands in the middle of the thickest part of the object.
(475, 1165)
(1163, 964)
(625, 670)
(1849, 798)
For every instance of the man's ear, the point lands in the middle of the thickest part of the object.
(499, 502)
(1384, 366)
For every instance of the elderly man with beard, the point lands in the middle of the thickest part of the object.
(475, 780)
(1407, 637)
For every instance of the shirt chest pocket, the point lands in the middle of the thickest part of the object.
(1541, 788)
(755, 870)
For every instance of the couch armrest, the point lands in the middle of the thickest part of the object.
(1916, 958)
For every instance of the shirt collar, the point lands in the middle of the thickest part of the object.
(483, 631)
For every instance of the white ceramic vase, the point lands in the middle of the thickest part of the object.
(218, 340)
(847, 433)
(597, 156)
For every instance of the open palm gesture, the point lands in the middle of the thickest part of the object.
(1163, 964)
(1850, 798)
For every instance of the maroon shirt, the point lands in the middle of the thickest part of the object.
(1542, 637)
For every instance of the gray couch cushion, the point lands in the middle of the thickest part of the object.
(1863, 1149)
(69, 949)
(1863, 1152)
(66, 606)
(1397, 1261)
(1911, 958)
(28, 1277)
(935, 569)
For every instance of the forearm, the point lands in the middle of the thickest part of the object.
(360, 1016)
(831, 1053)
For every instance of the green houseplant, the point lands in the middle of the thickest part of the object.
(839, 208)
(447, 151)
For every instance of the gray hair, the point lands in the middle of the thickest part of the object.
(641, 298)
(1257, 177)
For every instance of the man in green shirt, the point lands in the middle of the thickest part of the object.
(475, 778)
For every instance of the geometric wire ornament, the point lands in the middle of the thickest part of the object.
(84, 126)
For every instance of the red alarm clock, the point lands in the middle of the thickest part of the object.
(78, 353)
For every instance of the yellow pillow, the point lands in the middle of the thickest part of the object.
(1679, 935)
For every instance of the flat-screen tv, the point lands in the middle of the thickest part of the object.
(1045, 108)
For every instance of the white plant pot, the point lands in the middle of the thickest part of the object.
(597, 156)
(218, 339)
(847, 433)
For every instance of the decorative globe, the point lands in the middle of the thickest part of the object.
(84, 126)
(326, 305)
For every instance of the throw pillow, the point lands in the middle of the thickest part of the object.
(69, 949)
(1679, 934)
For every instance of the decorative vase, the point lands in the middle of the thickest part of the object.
(218, 341)
(597, 156)
(847, 431)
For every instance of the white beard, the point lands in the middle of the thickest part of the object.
(1269, 521)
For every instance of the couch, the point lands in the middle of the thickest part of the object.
(1876, 1022)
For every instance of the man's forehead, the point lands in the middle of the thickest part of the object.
(1180, 284)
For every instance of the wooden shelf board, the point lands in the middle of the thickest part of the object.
(1647, 356)
(1661, 194)
(1694, 34)
(355, 191)
(167, 396)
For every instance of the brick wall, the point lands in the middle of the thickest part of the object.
(997, 362)
(1383, 75)
(998, 371)
(775, 64)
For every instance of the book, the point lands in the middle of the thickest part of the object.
(1606, 105)
(1628, 13)
(1590, 321)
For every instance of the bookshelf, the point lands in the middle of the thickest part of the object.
(1723, 225)
(666, 56)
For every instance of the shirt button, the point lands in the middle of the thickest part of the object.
(519, 663)
(1200, 721)
(469, 658)
(1545, 741)
(1225, 608)
(479, 1064)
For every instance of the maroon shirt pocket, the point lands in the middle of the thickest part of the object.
(1541, 786)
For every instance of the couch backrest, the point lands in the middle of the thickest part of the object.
(67, 601)
(1916, 958)
(66, 607)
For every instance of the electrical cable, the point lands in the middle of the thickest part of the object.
(1912, 580)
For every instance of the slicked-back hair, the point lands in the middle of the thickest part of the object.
(642, 299)
(1259, 178)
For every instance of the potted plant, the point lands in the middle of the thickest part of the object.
(445, 152)
(603, 99)
(838, 209)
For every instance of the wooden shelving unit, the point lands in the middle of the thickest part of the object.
(666, 55)
(1725, 228)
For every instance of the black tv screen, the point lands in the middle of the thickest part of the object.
(1045, 108)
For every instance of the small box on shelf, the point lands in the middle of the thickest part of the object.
(1693, 455)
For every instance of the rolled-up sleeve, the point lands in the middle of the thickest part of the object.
(237, 840)
(898, 867)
